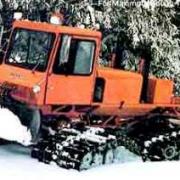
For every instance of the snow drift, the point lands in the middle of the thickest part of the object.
(11, 128)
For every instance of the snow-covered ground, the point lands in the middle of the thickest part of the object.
(11, 128)
(15, 163)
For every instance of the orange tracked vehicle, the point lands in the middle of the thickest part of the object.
(50, 77)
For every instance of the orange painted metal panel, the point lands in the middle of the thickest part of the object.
(121, 86)
(72, 89)
(130, 110)
(124, 111)
(69, 89)
(160, 91)
(24, 80)
(46, 27)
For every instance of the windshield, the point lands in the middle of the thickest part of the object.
(29, 49)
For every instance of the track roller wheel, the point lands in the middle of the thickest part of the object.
(97, 160)
(62, 122)
(170, 152)
(117, 154)
(86, 161)
(108, 156)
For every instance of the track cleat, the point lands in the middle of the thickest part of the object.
(147, 143)
(174, 134)
(154, 139)
(161, 138)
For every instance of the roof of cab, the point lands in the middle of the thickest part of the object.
(47, 27)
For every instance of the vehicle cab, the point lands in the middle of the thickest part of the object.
(50, 64)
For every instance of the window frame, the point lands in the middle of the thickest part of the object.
(9, 49)
(59, 49)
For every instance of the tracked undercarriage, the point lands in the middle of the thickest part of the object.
(85, 147)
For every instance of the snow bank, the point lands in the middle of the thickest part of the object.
(11, 128)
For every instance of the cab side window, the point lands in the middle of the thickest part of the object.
(74, 56)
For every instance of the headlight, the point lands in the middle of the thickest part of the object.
(36, 89)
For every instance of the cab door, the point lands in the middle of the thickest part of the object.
(72, 78)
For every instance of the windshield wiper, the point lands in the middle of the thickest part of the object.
(35, 67)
